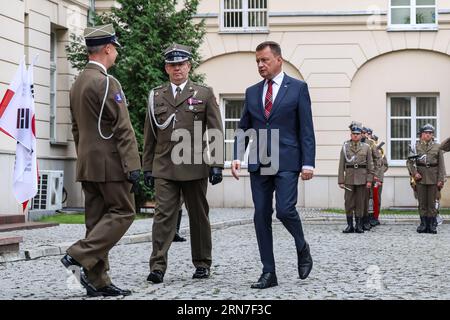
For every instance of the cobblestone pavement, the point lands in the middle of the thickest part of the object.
(391, 262)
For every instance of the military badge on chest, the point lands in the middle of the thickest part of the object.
(193, 102)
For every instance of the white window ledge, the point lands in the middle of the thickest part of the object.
(224, 31)
(412, 28)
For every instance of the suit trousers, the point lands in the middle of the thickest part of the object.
(109, 212)
(427, 195)
(285, 185)
(167, 195)
(355, 200)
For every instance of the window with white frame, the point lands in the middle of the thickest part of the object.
(406, 114)
(412, 14)
(232, 110)
(244, 15)
(53, 75)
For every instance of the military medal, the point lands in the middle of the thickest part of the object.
(191, 107)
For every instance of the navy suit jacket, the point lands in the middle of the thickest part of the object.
(291, 115)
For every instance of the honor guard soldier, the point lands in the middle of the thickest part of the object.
(355, 176)
(378, 186)
(376, 158)
(108, 163)
(173, 108)
(428, 171)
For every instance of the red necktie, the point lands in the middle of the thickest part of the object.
(268, 99)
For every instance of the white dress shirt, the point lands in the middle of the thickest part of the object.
(98, 64)
(277, 80)
(174, 88)
(276, 85)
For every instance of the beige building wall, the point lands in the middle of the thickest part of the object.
(350, 60)
(25, 29)
(344, 50)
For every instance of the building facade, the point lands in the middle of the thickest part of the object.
(43, 27)
(384, 63)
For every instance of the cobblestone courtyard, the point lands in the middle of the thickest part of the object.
(391, 262)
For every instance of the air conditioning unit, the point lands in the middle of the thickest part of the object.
(50, 191)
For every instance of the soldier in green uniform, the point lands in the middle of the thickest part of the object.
(178, 107)
(355, 176)
(108, 162)
(376, 158)
(384, 166)
(428, 170)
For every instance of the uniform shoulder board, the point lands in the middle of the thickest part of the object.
(158, 87)
(204, 86)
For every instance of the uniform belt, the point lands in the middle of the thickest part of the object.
(356, 166)
(427, 165)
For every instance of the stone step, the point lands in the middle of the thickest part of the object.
(9, 244)
(26, 226)
(11, 218)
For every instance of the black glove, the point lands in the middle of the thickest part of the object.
(149, 181)
(215, 175)
(134, 177)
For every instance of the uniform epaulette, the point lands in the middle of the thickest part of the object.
(158, 87)
(201, 85)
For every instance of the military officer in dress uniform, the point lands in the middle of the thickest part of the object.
(177, 107)
(428, 170)
(355, 176)
(108, 162)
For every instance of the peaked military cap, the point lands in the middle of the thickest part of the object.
(356, 128)
(426, 128)
(369, 130)
(176, 53)
(98, 35)
(355, 123)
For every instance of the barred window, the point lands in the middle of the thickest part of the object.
(53, 82)
(232, 109)
(407, 113)
(244, 15)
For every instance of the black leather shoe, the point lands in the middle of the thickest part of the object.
(266, 280)
(201, 273)
(108, 291)
(76, 268)
(156, 276)
(374, 222)
(178, 238)
(305, 262)
(68, 261)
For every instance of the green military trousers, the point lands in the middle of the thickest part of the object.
(167, 195)
(109, 212)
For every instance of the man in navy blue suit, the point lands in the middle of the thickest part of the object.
(277, 112)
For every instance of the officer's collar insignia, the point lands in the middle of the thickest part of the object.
(118, 97)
